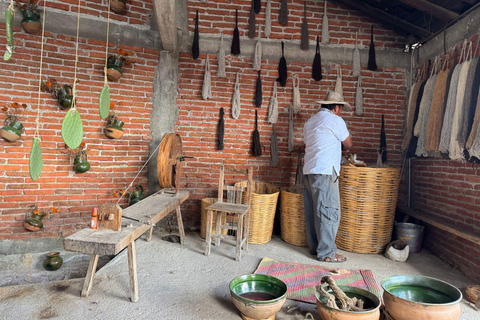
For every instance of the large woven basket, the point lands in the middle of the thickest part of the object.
(292, 217)
(203, 218)
(263, 204)
(368, 199)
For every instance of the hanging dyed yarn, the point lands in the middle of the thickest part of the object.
(273, 106)
(291, 144)
(221, 130)
(412, 146)
(268, 19)
(356, 67)
(338, 84)
(325, 33)
(412, 102)
(304, 43)
(383, 142)
(471, 110)
(257, 5)
(207, 79)
(258, 92)
(359, 98)
(283, 14)
(282, 69)
(251, 22)
(236, 98)
(476, 119)
(473, 143)
(296, 104)
(257, 58)
(196, 36)
(235, 50)
(372, 63)
(256, 146)
(274, 148)
(317, 63)
(221, 72)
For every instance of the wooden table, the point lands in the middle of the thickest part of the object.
(136, 220)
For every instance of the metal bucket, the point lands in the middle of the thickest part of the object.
(411, 233)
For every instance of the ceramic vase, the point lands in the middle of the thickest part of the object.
(12, 131)
(34, 223)
(81, 164)
(53, 261)
(31, 22)
(115, 67)
(65, 97)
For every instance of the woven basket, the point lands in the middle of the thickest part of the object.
(368, 199)
(472, 293)
(263, 204)
(203, 218)
(292, 218)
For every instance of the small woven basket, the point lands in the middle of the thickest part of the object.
(203, 218)
(292, 217)
(263, 204)
(472, 293)
(368, 198)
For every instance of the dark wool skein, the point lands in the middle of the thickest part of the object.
(283, 15)
(383, 142)
(256, 146)
(304, 43)
(196, 45)
(236, 37)
(317, 63)
(282, 69)
(258, 92)
(372, 64)
(251, 23)
(257, 5)
(221, 129)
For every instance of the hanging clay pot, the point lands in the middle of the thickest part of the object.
(115, 67)
(12, 131)
(81, 163)
(53, 261)
(34, 223)
(137, 195)
(114, 128)
(118, 6)
(65, 97)
(31, 21)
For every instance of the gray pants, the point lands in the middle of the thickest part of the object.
(321, 198)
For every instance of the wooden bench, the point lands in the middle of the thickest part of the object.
(136, 220)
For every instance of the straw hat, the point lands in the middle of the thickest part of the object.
(336, 98)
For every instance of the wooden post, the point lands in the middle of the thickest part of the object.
(132, 271)
(180, 225)
(178, 172)
(208, 236)
(149, 237)
(92, 267)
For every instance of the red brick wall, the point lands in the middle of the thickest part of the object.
(114, 163)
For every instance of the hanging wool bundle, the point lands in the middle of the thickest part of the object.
(291, 144)
(470, 112)
(325, 33)
(236, 99)
(221, 60)
(356, 67)
(475, 110)
(258, 92)
(423, 113)
(257, 58)
(473, 143)
(359, 98)
(207, 79)
(412, 103)
(304, 43)
(297, 104)
(274, 148)
(268, 19)
(236, 37)
(317, 64)
(383, 142)
(196, 40)
(273, 106)
(412, 146)
(221, 129)
(256, 146)
(282, 69)
(372, 63)
(283, 14)
(338, 84)
(251, 23)
(257, 5)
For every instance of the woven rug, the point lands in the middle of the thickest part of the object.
(301, 279)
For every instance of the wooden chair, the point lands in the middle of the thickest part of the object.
(231, 206)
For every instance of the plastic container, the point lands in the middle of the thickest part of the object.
(411, 233)
(94, 221)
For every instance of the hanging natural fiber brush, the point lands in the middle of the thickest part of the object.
(257, 58)
(383, 142)
(251, 22)
(221, 60)
(221, 129)
(325, 33)
(282, 68)
(256, 146)
(304, 43)
(296, 103)
(283, 14)
(274, 148)
(273, 106)
(236, 99)
(317, 63)
(359, 98)
(372, 64)
(207, 81)
(257, 5)
(258, 92)
(356, 67)
(268, 19)
(196, 36)
(236, 37)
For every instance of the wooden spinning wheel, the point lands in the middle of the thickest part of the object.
(169, 161)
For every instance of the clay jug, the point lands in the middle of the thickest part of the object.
(34, 223)
(53, 261)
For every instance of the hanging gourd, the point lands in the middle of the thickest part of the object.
(9, 15)
(104, 100)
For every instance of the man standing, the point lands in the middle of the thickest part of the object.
(323, 134)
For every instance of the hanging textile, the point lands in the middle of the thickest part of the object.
(235, 50)
(196, 40)
(258, 92)
(412, 102)
(304, 43)
(296, 104)
(325, 33)
(268, 19)
(274, 148)
(221, 60)
(283, 14)
(256, 146)
(273, 106)
(251, 22)
(372, 62)
(236, 98)
(221, 129)
(356, 67)
(291, 144)
(257, 5)
(317, 64)
(476, 113)
(359, 98)
(207, 79)
(470, 112)
(257, 58)
(412, 143)
(282, 68)
(383, 142)
(338, 84)
(473, 143)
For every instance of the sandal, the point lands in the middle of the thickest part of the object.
(338, 258)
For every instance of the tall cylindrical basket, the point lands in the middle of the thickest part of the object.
(292, 216)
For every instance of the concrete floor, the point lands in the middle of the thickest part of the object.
(179, 282)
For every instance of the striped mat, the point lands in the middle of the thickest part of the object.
(301, 279)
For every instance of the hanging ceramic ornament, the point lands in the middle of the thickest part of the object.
(251, 22)
(207, 79)
(304, 43)
(338, 84)
(359, 98)
(317, 64)
(282, 68)
(257, 58)
(236, 99)
(356, 67)
(196, 40)
(283, 14)
(268, 19)
(221, 72)
(258, 91)
(296, 104)
(273, 106)
(325, 33)
(372, 63)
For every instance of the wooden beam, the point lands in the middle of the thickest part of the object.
(166, 23)
(385, 18)
(431, 8)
